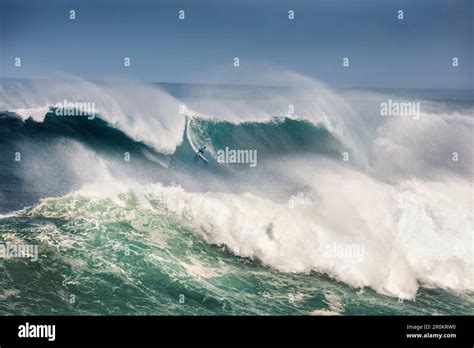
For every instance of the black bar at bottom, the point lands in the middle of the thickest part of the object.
(412, 330)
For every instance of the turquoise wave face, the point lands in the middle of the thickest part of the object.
(278, 137)
(134, 257)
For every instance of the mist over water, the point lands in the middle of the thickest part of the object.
(347, 211)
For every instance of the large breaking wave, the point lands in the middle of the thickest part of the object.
(330, 175)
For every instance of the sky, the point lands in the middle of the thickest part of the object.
(383, 51)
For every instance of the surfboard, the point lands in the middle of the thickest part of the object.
(202, 156)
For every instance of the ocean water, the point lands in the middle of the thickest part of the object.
(346, 212)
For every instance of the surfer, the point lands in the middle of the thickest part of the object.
(201, 151)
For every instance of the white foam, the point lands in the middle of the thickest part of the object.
(417, 233)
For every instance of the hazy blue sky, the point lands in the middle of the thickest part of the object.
(383, 50)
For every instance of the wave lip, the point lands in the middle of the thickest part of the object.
(159, 124)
